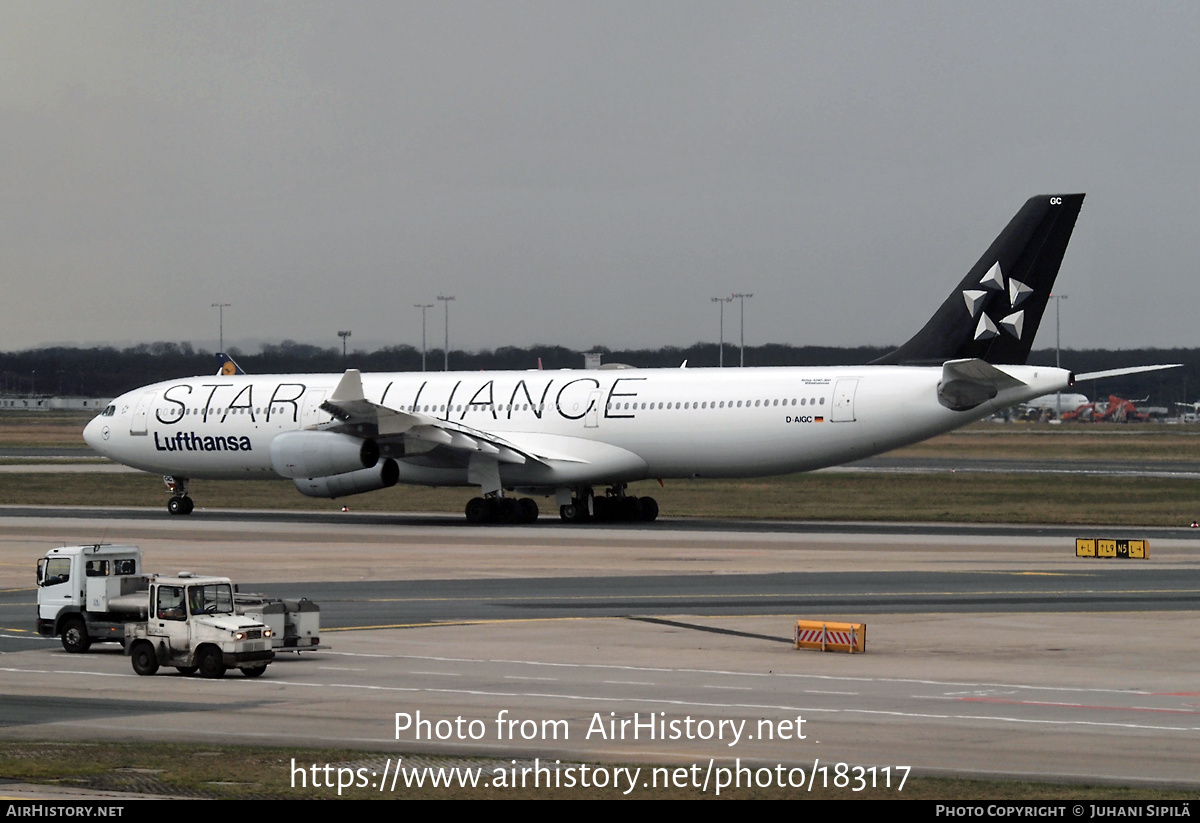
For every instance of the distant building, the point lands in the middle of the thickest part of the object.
(10, 403)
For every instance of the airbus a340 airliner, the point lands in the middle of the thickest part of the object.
(572, 433)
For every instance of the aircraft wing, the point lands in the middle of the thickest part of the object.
(350, 407)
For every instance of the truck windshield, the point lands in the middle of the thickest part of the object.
(54, 570)
(216, 598)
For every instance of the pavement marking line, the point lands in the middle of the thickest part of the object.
(712, 629)
(1073, 705)
(709, 705)
(486, 622)
(619, 598)
(821, 677)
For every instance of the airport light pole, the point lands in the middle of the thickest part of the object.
(742, 297)
(423, 307)
(221, 308)
(344, 335)
(446, 299)
(722, 301)
(1058, 298)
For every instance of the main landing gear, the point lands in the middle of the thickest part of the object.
(502, 510)
(179, 503)
(614, 507)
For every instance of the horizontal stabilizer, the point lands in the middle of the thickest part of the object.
(1096, 375)
(969, 383)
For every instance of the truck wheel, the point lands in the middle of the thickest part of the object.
(144, 661)
(75, 637)
(211, 664)
(257, 671)
(186, 670)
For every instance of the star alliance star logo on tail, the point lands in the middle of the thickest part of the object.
(978, 300)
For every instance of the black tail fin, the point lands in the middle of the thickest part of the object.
(994, 313)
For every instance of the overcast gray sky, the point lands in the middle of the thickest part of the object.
(584, 172)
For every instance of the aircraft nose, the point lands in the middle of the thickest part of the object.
(96, 433)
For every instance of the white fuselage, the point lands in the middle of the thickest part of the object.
(584, 427)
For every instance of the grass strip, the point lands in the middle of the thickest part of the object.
(940, 497)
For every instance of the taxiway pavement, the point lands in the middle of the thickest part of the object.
(990, 652)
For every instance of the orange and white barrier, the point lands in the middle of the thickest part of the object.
(831, 637)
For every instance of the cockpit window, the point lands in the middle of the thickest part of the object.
(109, 412)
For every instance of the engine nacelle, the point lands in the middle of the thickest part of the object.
(382, 476)
(320, 454)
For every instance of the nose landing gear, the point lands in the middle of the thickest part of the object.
(179, 503)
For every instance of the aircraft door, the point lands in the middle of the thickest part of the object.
(843, 400)
(311, 414)
(137, 423)
(592, 419)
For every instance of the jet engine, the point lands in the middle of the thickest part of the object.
(300, 454)
(382, 476)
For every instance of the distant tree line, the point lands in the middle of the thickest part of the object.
(107, 372)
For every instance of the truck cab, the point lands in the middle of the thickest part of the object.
(86, 594)
(192, 624)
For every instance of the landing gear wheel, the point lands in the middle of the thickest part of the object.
(211, 665)
(144, 661)
(603, 509)
(649, 509)
(574, 512)
(188, 505)
(187, 671)
(529, 510)
(477, 510)
(631, 509)
(180, 505)
(257, 671)
(75, 637)
(510, 511)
